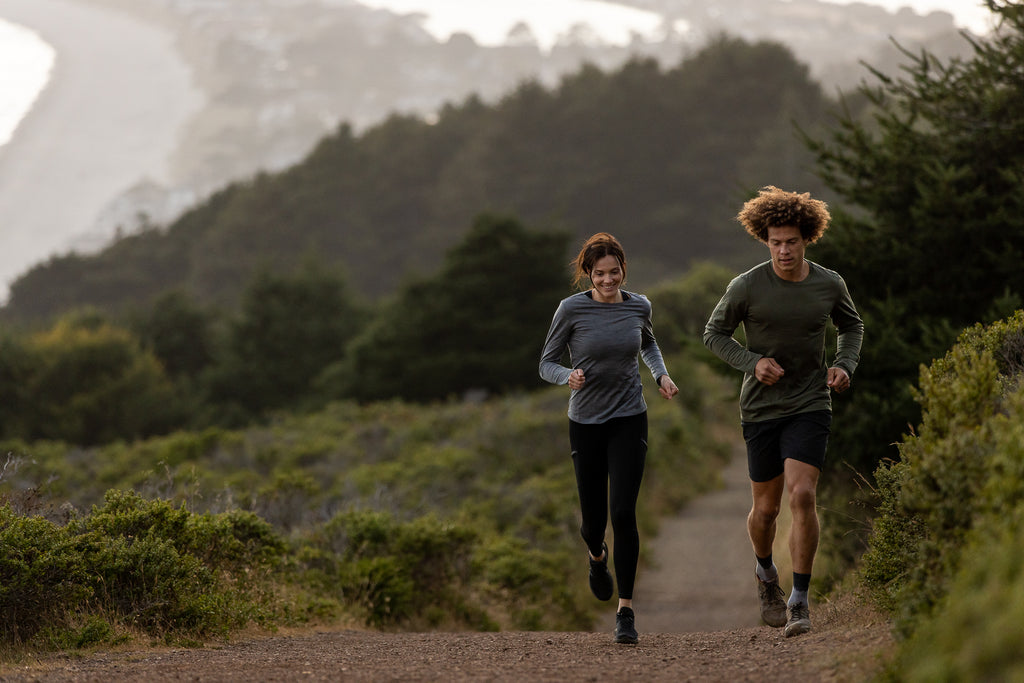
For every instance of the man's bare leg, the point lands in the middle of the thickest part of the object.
(802, 484)
(761, 526)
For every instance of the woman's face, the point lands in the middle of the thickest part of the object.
(606, 277)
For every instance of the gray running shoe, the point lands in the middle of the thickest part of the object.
(601, 583)
(799, 620)
(773, 602)
(625, 629)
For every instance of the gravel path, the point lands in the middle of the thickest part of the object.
(703, 574)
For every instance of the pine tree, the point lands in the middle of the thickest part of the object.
(931, 236)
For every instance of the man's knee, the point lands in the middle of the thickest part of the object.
(802, 498)
(763, 515)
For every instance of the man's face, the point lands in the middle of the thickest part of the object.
(787, 246)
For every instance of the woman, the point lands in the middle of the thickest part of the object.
(604, 329)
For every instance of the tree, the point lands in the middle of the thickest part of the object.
(479, 323)
(16, 365)
(89, 383)
(932, 237)
(659, 157)
(179, 332)
(289, 329)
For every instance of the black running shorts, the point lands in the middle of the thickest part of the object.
(803, 437)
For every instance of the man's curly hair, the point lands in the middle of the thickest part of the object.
(774, 208)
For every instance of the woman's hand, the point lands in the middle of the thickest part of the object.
(667, 387)
(576, 379)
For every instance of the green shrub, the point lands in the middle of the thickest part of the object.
(394, 571)
(977, 631)
(95, 630)
(235, 541)
(531, 589)
(165, 570)
(43, 577)
(961, 467)
(147, 582)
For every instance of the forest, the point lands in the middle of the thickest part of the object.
(405, 277)
(658, 157)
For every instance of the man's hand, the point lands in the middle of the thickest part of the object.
(667, 387)
(576, 379)
(768, 372)
(838, 379)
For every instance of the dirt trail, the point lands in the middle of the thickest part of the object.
(696, 613)
(702, 578)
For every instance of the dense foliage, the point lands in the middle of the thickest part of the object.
(298, 341)
(476, 325)
(458, 515)
(930, 238)
(131, 564)
(944, 557)
(658, 157)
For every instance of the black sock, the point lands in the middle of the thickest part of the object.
(801, 582)
(765, 562)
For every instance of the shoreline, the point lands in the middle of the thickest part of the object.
(108, 118)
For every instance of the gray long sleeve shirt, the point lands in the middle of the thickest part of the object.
(785, 321)
(604, 341)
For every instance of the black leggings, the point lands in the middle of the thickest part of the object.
(609, 461)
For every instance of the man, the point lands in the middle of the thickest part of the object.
(785, 401)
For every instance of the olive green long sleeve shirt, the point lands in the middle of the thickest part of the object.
(786, 321)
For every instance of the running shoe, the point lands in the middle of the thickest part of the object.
(625, 630)
(799, 620)
(773, 602)
(601, 582)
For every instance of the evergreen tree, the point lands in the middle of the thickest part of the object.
(179, 332)
(289, 329)
(932, 236)
(478, 324)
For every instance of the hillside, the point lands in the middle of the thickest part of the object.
(659, 157)
(278, 75)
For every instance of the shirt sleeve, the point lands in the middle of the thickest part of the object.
(850, 330)
(727, 316)
(649, 350)
(551, 369)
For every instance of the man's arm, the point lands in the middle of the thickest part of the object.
(850, 330)
(727, 316)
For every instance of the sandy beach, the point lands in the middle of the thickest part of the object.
(109, 117)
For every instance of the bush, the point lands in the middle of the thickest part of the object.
(43, 576)
(392, 571)
(960, 470)
(977, 631)
(165, 570)
(92, 383)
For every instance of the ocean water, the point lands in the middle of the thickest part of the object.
(26, 61)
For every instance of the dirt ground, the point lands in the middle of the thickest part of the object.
(696, 612)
